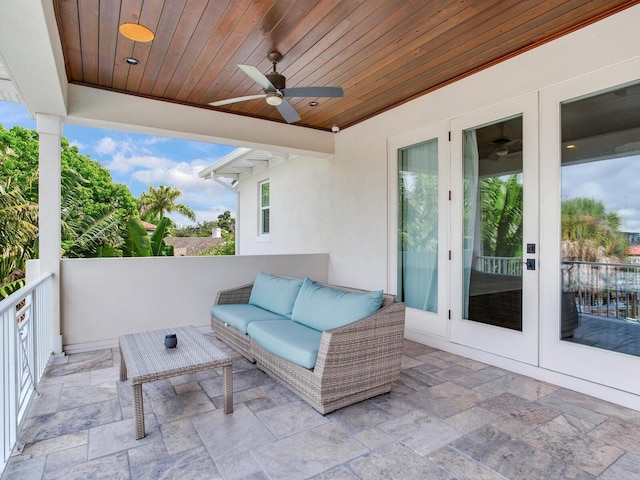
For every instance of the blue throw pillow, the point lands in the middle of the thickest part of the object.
(276, 294)
(322, 308)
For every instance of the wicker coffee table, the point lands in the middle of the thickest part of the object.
(145, 359)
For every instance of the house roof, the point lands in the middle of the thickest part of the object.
(191, 246)
(149, 227)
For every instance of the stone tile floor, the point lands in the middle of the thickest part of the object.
(447, 418)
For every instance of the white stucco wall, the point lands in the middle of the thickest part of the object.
(103, 298)
(300, 220)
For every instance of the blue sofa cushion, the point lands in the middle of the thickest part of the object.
(276, 294)
(240, 316)
(322, 308)
(289, 340)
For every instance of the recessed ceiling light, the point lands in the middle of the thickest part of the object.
(136, 32)
(313, 104)
(132, 61)
(571, 145)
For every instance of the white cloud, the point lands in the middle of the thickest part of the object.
(105, 146)
(122, 163)
(612, 182)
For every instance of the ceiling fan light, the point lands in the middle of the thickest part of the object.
(502, 151)
(274, 99)
(136, 32)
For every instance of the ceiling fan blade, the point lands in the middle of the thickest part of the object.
(258, 77)
(313, 92)
(288, 112)
(219, 103)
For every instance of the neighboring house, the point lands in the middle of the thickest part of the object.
(633, 254)
(191, 246)
(149, 227)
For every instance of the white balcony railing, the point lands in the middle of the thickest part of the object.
(604, 289)
(25, 343)
(499, 265)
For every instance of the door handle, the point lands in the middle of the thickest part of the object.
(530, 263)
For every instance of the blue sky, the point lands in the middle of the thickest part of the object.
(139, 161)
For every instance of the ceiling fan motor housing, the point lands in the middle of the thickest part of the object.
(277, 80)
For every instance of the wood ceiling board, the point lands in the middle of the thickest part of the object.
(89, 18)
(70, 37)
(108, 34)
(381, 52)
(129, 13)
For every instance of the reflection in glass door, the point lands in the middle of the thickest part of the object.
(493, 223)
(600, 211)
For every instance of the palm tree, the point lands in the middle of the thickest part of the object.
(501, 207)
(590, 233)
(19, 227)
(157, 202)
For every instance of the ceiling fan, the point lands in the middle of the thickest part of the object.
(501, 144)
(275, 91)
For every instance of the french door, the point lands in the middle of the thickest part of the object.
(494, 229)
(590, 143)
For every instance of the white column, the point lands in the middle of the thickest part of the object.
(49, 201)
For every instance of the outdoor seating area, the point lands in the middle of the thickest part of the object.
(447, 417)
(333, 346)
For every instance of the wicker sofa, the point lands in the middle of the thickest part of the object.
(355, 361)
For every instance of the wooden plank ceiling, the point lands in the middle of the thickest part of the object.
(382, 52)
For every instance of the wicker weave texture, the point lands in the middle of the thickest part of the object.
(145, 359)
(355, 362)
(232, 337)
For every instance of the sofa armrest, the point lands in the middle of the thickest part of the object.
(234, 295)
(367, 348)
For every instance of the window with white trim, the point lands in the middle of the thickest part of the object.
(263, 214)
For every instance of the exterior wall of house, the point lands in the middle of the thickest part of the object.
(352, 222)
(102, 299)
(300, 221)
(356, 216)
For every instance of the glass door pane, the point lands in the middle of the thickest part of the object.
(600, 247)
(493, 223)
(418, 226)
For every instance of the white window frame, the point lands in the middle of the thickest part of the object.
(262, 235)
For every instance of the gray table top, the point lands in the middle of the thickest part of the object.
(147, 359)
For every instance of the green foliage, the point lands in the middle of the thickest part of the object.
(97, 214)
(83, 234)
(226, 222)
(136, 240)
(162, 200)
(418, 201)
(590, 233)
(158, 247)
(226, 247)
(203, 229)
(19, 227)
(501, 209)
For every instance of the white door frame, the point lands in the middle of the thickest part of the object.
(521, 346)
